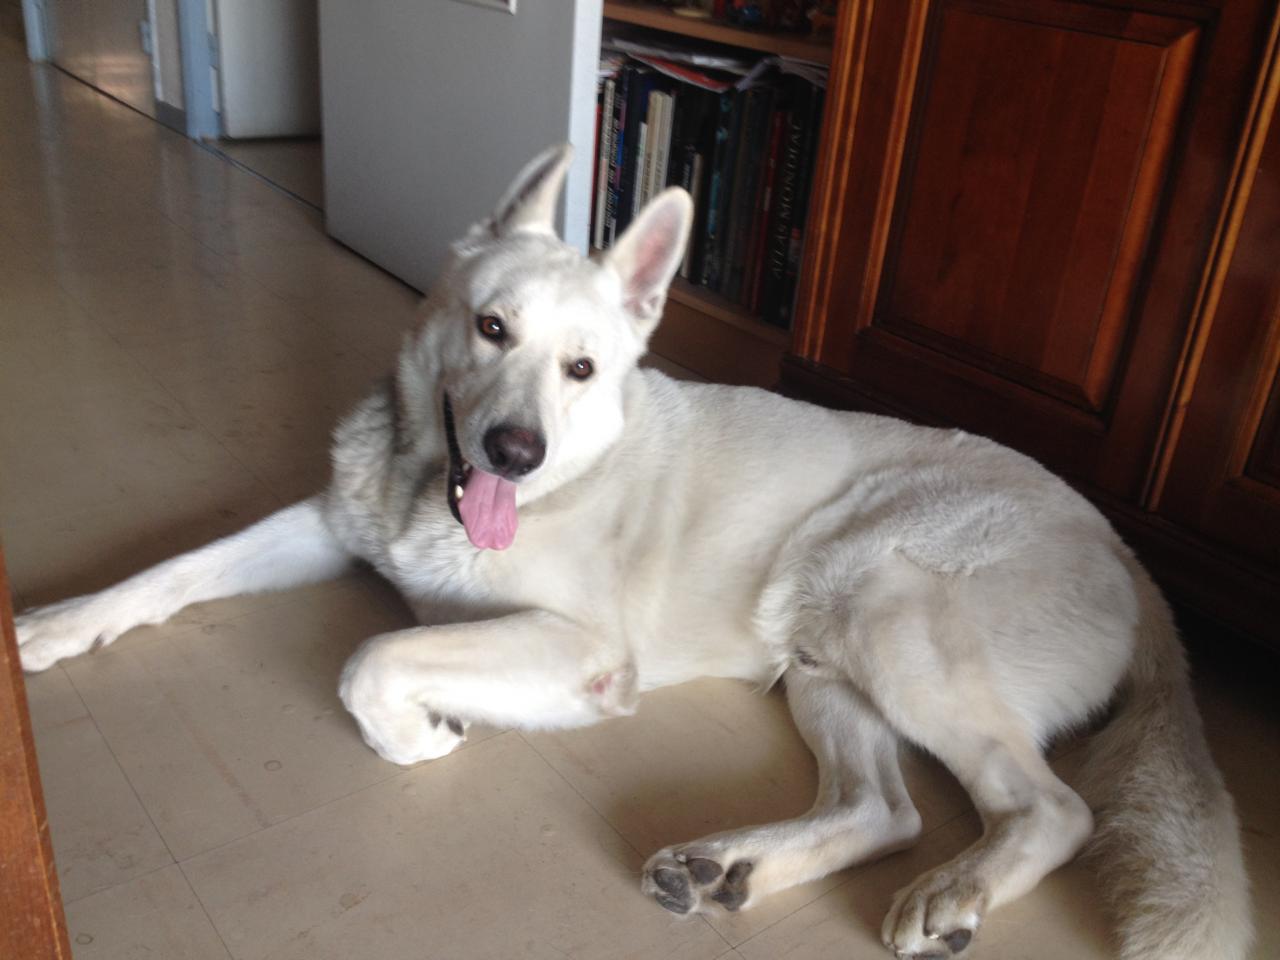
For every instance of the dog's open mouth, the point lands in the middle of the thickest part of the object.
(484, 503)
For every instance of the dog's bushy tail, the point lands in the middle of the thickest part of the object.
(1167, 844)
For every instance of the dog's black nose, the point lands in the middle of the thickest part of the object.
(514, 451)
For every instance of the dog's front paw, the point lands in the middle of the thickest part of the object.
(396, 728)
(410, 736)
(60, 630)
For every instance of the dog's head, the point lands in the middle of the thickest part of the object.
(533, 344)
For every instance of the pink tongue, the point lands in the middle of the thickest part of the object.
(488, 509)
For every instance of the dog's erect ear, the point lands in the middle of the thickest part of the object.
(647, 255)
(530, 201)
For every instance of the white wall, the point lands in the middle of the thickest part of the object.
(99, 42)
(431, 107)
(269, 69)
(168, 52)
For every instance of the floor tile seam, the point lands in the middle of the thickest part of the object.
(393, 775)
(57, 667)
(204, 909)
(123, 772)
(212, 148)
(118, 884)
(608, 823)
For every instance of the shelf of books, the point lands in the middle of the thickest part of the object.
(736, 124)
(646, 13)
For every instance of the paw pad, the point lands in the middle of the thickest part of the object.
(957, 940)
(680, 882)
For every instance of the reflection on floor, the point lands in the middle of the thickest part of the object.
(293, 164)
(176, 340)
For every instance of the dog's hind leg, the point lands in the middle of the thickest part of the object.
(862, 811)
(288, 548)
(1032, 821)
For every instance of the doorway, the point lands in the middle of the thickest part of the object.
(267, 64)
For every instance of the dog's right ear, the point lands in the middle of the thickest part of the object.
(647, 255)
(530, 202)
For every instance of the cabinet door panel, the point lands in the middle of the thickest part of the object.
(1029, 189)
(1012, 224)
(1223, 471)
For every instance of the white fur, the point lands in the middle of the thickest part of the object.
(910, 584)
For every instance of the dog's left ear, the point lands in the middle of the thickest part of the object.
(530, 202)
(648, 254)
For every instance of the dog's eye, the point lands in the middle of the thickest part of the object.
(581, 369)
(491, 328)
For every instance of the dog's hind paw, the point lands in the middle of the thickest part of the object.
(936, 917)
(682, 881)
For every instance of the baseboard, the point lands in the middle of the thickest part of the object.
(175, 118)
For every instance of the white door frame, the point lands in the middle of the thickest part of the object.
(37, 32)
(196, 37)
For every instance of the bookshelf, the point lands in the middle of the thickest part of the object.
(701, 330)
(642, 14)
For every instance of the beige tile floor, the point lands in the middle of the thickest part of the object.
(295, 164)
(176, 337)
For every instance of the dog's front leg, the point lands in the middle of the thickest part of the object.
(413, 691)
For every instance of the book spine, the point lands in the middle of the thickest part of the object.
(746, 183)
(754, 275)
(651, 147)
(714, 266)
(779, 240)
(760, 230)
(662, 151)
(795, 248)
(637, 104)
(604, 140)
(703, 126)
(691, 180)
(637, 192)
(614, 200)
(709, 272)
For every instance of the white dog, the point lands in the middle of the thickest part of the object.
(908, 584)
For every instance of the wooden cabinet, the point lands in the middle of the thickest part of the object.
(1219, 477)
(32, 926)
(1057, 223)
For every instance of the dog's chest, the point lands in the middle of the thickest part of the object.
(430, 560)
